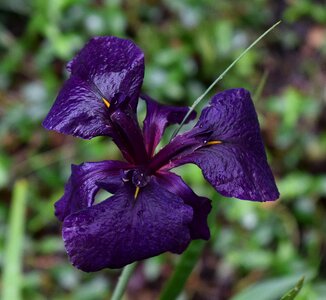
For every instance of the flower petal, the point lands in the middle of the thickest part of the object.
(179, 147)
(158, 117)
(106, 70)
(122, 229)
(201, 205)
(237, 167)
(78, 111)
(85, 181)
(235, 171)
(128, 136)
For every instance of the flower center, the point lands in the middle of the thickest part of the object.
(138, 177)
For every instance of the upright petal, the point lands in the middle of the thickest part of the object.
(106, 71)
(122, 229)
(158, 117)
(200, 205)
(232, 157)
(79, 111)
(113, 64)
(85, 181)
(128, 136)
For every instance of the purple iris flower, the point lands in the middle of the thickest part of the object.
(152, 210)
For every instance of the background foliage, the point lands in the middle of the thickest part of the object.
(257, 249)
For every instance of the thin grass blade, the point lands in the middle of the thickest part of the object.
(201, 97)
(12, 268)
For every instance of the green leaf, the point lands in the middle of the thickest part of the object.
(269, 289)
(14, 244)
(290, 295)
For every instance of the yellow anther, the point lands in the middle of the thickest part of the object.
(136, 191)
(214, 143)
(106, 102)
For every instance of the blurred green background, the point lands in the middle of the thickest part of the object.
(258, 249)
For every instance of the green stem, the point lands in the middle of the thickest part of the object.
(201, 97)
(123, 281)
(188, 261)
(185, 266)
(12, 268)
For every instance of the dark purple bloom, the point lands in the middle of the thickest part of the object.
(152, 210)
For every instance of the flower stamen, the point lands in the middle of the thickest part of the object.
(213, 143)
(136, 192)
(106, 102)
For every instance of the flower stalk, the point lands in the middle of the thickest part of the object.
(123, 281)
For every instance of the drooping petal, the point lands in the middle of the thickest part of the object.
(107, 71)
(122, 229)
(235, 172)
(85, 181)
(233, 158)
(226, 144)
(200, 205)
(158, 117)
